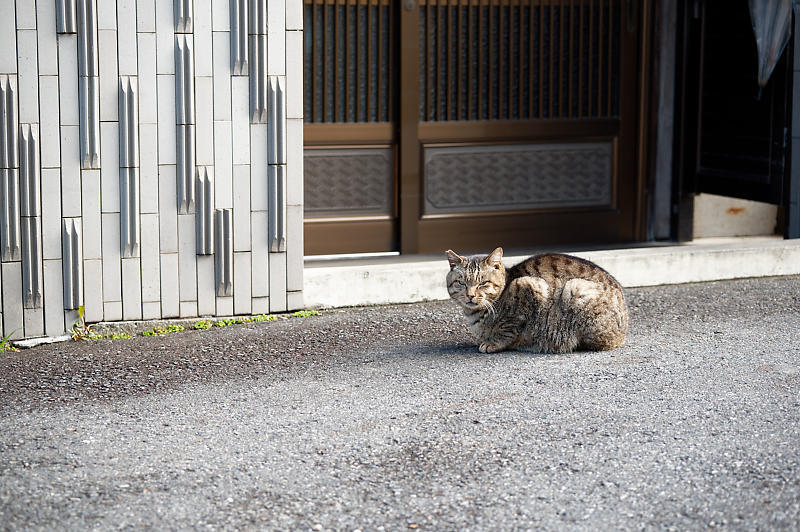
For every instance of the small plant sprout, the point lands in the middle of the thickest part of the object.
(305, 313)
(5, 343)
(80, 331)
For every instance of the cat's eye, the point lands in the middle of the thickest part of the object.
(485, 284)
(458, 283)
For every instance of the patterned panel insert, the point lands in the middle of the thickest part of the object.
(516, 177)
(348, 182)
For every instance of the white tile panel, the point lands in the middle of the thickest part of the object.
(151, 288)
(8, 43)
(93, 289)
(126, 11)
(240, 93)
(90, 201)
(260, 305)
(12, 300)
(70, 171)
(53, 297)
(131, 289)
(112, 310)
(26, 15)
(186, 257)
(220, 16)
(204, 119)
(68, 78)
(70, 317)
(165, 38)
(146, 16)
(27, 77)
(166, 126)
(49, 141)
(294, 248)
(258, 167)
(109, 74)
(294, 162)
(294, 15)
(276, 38)
(241, 207)
(206, 295)
(151, 310)
(241, 283)
(202, 41)
(112, 280)
(147, 78)
(294, 301)
(277, 282)
(51, 213)
(225, 306)
(188, 309)
(223, 167)
(106, 14)
(222, 74)
(148, 168)
(167, 208)
(169, 285)
(260, 251)
(294, 74)
(46, 34)
(109, 166)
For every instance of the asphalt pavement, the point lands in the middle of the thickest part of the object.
(388, 418)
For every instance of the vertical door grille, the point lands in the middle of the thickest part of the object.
(519, 59)
(348, 54)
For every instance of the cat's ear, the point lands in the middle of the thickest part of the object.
(494, 257)
(454, 258)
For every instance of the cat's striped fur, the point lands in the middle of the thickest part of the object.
(550, 303)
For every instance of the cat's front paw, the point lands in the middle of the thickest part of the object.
(490, 347)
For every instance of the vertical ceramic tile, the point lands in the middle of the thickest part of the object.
(28, 76)
(68, 80)
(277, 282)
(131, 289)
(53, 296)
(241, 285)
(170, 302)
(13, 325)
(150, 259)
(241, 208)
(168, 209)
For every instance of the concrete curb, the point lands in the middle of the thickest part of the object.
(401, 279)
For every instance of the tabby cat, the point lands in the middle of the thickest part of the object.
(549, 303)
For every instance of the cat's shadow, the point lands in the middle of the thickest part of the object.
(470, 350)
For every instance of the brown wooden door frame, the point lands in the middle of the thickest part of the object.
(410, 170)
(411, 232)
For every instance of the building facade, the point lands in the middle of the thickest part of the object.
(180, 158)
(151, 160)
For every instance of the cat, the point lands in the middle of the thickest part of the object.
(551, 303)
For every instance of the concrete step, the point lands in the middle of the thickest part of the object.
(408, 279)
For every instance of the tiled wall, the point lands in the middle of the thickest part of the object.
(150, 160)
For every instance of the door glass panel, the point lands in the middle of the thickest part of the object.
(521, 60)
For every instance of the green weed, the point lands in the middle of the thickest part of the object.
(202, 325)
(305, 313)
(80, 330)
(160, 331)
(5, 343)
